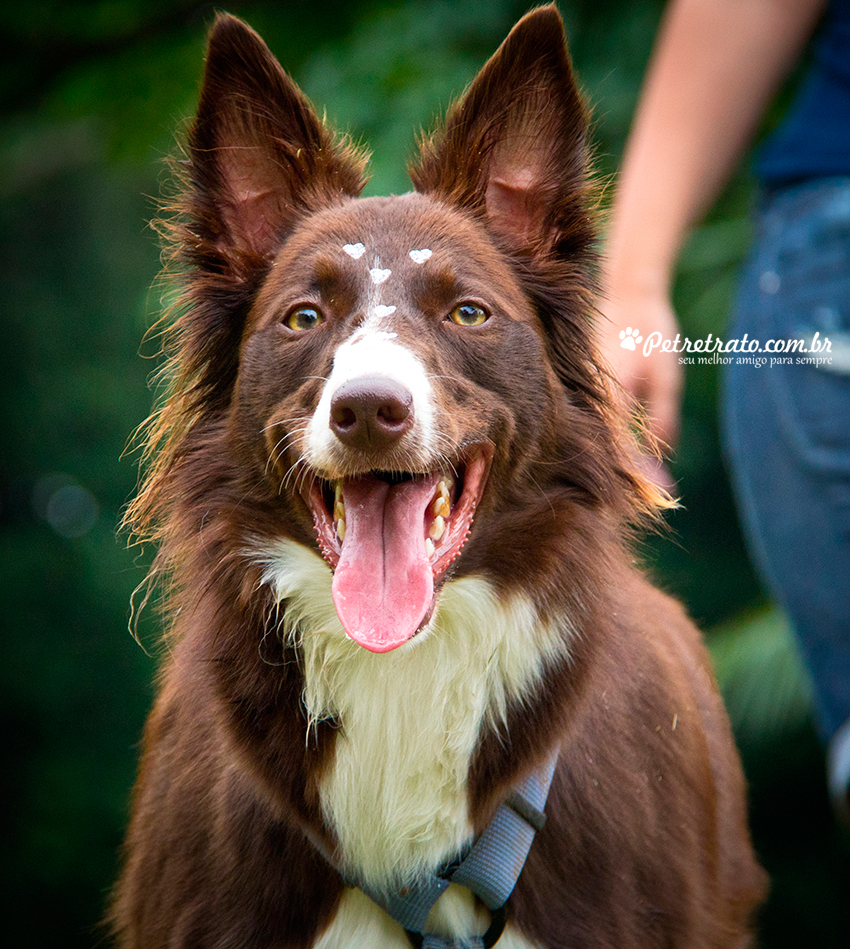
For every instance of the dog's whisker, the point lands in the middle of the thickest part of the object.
(285, 421)
(285, 441)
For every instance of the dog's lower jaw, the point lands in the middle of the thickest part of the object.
(397, 793)
(391, 539)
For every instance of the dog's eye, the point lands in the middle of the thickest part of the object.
(469, 314)
(304, 318)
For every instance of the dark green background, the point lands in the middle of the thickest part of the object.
(92, 93)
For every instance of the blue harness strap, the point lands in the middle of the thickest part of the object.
(490, 869)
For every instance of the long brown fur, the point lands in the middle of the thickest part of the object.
(646, 841)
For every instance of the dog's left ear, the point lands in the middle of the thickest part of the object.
(514, 149)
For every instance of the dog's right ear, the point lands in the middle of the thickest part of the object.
(258, 153)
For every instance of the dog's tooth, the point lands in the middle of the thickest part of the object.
(437, 528)
(441, 507)
(339, 510)
(338, 492)
(340, 529)
(429, 547)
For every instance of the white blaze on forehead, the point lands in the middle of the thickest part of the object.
(373, 352)
(375, 335)
(381, 310)
(354, 250)
(420, 256)
(378, 275)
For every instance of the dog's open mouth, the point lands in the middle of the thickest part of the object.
(390, 537)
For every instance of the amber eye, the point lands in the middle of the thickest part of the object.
(469, 314)
(304, 318)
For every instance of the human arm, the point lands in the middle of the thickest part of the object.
(715, 67)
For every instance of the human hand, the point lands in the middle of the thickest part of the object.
(655, 380)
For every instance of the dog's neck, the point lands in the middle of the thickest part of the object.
(396, 794)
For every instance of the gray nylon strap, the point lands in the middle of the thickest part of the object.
(490, 869)
(493, 866)
(411, 905)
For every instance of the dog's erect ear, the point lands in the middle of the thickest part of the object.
(258, 152)
(514, 147)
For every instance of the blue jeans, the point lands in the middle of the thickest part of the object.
(787, 427)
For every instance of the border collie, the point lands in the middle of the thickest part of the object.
(392, 490)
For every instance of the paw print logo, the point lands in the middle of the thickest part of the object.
(629, 338)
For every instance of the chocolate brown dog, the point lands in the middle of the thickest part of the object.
(391, 488)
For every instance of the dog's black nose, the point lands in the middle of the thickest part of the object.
(371, 413)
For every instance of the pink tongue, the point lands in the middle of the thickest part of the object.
(383, 585)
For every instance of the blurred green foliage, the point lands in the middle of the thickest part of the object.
(91, 94)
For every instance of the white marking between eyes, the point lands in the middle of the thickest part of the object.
(372, 336)
(378, 275)
(381, 310)
(420, 256)
(354, 250)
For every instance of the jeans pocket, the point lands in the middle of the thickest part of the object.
(810, 308)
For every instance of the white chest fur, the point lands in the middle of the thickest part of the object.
(409, 719)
